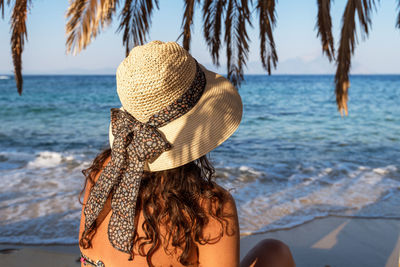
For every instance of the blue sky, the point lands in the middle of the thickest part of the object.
(299, 50)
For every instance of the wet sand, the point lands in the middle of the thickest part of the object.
(332, 241)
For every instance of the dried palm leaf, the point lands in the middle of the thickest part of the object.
(347, 45)
(125, 24)
(135, 22)
(213, 11)
(237, 39)
(86, 18)
(18, 36)
(228, 36)
(187, 22)
(324, 26)
(398, 16)
(2, 7)
(266, 11)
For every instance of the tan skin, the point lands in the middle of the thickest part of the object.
(225, 252)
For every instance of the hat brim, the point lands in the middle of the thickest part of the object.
(214, 118)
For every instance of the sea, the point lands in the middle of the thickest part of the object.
(293, 159)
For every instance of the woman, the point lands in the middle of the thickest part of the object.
(150, 200)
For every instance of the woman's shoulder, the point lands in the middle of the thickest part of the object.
(224, 248)
(221, 207)
(229, 202)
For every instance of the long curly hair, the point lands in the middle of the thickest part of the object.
(182, 199)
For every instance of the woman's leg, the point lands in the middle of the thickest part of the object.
(269, 253)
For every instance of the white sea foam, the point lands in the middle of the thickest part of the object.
(39, 202)
(337, 190)
(46, 159)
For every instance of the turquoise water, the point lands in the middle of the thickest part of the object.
(293, 158)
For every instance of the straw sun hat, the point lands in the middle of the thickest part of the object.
(174, 111)
(156, 74)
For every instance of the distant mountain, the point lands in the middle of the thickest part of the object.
(316, 65)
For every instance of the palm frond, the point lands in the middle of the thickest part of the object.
(347, 45)
(125, 24)
(398, 15)
(18, 36)
(324, 26)
(267, 20)
(213, 11)
(187, 22)
(2, 8)
(228, 36)
(86, 18)
(236, 38)
(135, 22)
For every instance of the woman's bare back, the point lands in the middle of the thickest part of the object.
(225, 252)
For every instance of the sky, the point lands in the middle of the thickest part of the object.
(299, 50)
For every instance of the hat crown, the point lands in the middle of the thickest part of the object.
(152, 76)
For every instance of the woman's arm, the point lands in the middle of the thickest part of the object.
(225, 252)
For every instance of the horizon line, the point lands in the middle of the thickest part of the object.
(224, 74)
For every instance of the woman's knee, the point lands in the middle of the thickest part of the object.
(269, 253)
(273, 246)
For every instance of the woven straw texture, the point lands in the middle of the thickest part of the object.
(214, 118)
(153, 76)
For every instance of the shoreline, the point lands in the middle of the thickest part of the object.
(349, 217)
(329, 241)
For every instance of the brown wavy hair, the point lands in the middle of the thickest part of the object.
(182, 199)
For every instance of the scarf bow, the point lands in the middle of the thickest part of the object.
(134, 143)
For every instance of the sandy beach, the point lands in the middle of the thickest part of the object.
(332, 241)
(338, 242)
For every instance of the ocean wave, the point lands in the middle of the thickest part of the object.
(39, 202)
(46, 159)
(342, 190)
